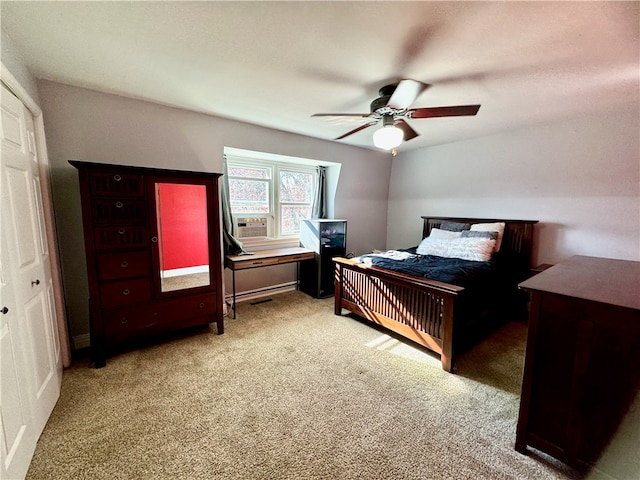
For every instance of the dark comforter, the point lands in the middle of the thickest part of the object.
(464, 273)
(488, 286)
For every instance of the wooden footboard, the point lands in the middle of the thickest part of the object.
(418, 309)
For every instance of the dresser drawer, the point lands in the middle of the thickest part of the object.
(181, 309)
(128, 236)
(121, 265)
(257, 262)
(160, 316)
(130, 321)
(118, 211)
(128, 292)
(299, 257)
(116, 183)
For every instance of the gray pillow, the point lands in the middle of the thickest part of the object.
(479, 234)
(454, 226)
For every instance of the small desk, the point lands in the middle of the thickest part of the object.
(265, 258)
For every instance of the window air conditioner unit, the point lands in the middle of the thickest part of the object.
(252, 227)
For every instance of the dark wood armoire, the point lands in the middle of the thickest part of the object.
(153, 252)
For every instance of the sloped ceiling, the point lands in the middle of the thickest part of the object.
(276, 63)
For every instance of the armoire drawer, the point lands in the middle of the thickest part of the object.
(181, 309)
(159, 316)
(121, 265)
(128, 292)
(119, 211)
(125, 322)
(115, 183)
(108, 238)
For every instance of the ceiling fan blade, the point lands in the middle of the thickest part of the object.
(405, 93)
(431, 112)
(363, 115)
(409, 132)
(355, 130)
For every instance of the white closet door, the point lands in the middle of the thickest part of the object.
(31, 360)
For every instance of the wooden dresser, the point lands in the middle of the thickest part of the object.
(152, 244)
(582, 365)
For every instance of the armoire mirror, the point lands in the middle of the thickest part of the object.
(183, 239)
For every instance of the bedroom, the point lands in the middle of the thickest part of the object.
(576, 170)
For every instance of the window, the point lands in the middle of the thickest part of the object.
(282, 192)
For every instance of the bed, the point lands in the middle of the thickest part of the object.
(443, 316)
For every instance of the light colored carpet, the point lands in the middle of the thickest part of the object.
(291, 391)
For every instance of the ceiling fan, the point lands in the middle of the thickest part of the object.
(392, 107)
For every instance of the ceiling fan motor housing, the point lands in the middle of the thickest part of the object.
(380, 105)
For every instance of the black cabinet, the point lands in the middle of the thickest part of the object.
(328, 239)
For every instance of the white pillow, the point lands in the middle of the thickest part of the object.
(491, 227)
(439, 234)
(476, 249)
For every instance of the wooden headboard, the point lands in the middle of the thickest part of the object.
(517, 241)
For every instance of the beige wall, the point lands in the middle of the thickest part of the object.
(580, 178)
(13, 60)
(86, 125)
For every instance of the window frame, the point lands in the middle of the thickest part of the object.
(274, 217)
(269, 181)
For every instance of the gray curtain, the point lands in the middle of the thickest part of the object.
(232, 246)
(319, 209)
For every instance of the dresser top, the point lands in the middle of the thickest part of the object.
(604, 280)
(136, 170)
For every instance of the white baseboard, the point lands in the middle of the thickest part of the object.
(178, 272)
(261, 292)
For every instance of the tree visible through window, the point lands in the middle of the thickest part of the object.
(283, 192)
(296, 200)
(249, 189)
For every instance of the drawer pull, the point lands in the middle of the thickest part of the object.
(124, 320)
(257, 263)
(201, 304)
(117, 178)
(154, 239)
(121, 231)
(126, 291)
(119, 204)
(124, 264)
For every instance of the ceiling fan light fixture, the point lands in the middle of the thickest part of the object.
(388, 137)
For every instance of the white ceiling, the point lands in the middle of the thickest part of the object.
(276, 63)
